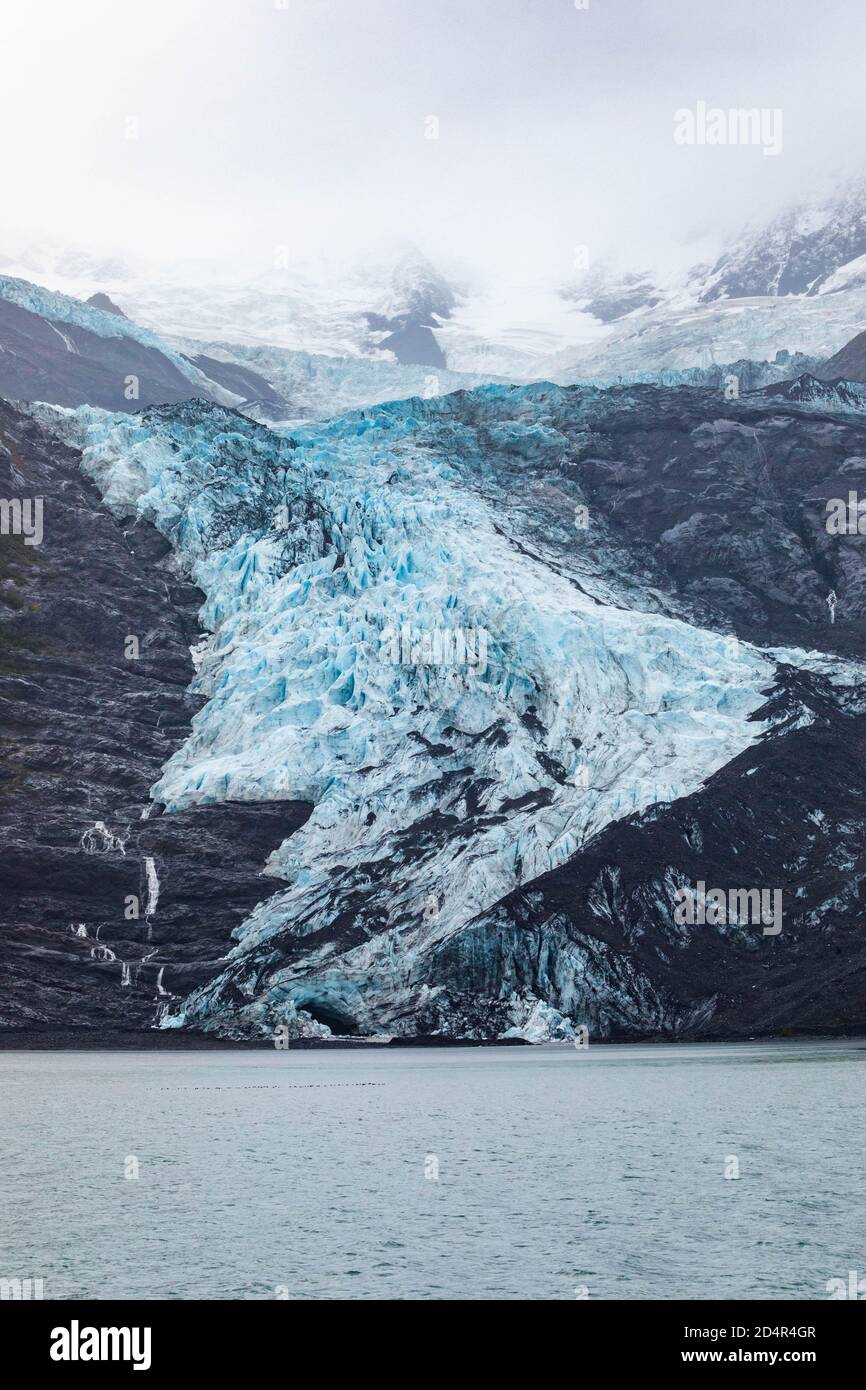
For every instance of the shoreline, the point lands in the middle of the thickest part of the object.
(170, 1040)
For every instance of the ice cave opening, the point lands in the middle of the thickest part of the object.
(326, 1013)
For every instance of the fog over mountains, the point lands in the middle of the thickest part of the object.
(795, 284)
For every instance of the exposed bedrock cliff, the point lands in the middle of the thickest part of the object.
(104, 914)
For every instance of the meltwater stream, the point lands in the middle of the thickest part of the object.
(543, 1173)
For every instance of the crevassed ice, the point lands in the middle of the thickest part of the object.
(448, 785)
(319, 386)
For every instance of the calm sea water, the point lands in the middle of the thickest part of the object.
(314, 1173)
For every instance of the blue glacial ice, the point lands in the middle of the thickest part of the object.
(437, 789)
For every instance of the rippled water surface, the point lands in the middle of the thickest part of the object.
(312, 1174)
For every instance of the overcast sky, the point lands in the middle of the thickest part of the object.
(305, 125)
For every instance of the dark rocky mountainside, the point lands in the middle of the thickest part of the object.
(84, 731)
(596, 937)
(100, 300)
(849, 363)
(58, 350)
(718, 505)
(258, 397)
(68, 364)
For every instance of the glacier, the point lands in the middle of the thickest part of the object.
(437, 788)
(319, 385)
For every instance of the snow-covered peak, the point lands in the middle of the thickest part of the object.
(799, 252)
(416, 288)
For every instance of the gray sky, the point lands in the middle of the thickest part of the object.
(305, 125)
